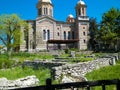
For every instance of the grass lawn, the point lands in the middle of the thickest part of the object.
(21, 56)
(105, 73)
(18, 72)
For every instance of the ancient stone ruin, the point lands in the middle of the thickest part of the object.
(28, 81)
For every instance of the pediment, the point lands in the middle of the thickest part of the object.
(45, 19)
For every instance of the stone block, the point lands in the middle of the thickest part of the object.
(72, 53)
(119, 55)
(28, 81)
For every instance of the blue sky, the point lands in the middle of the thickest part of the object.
(26, 9)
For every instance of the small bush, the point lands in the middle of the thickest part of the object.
(67, 51)
(74, 49)
(6, 63)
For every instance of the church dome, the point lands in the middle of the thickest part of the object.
(48, 1)
(71, 16)
(81, 2)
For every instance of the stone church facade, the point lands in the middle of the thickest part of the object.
(46, 33)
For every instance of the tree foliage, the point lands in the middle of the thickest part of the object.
(10, 30)
(110, 28)
(93, 32)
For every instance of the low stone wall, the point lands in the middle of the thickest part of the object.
(28, 81)
(59, 69)
(119, 55)
(37, 64)
(80, 69)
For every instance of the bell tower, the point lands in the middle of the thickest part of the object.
(82, 25)
(45, 8)
(81, 8)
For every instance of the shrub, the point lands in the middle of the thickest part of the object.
(6, 63)
(66, 51)
(74, 49)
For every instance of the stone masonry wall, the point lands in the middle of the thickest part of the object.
(80, 69)
(59, 69)
(29, 81)
(37, 64)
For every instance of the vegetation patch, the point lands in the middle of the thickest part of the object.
(5, 62)
(15, 73)
(21, 56)
(118, 62)
(81, 59)
(105, 73)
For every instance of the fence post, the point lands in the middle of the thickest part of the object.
(103, 86)
(118, 85)
(88, 87)
(49, 84)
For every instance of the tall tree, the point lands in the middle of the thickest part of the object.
(109, 28)
(10, 30)
(93, 32)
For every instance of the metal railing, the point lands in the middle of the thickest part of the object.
(86, 85)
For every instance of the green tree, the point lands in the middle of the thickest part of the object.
(93, 32)
(110, 28)
(10, 31)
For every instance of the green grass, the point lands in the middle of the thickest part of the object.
(118, 62)
(65, 55)
(105, 73)
(110, 72)
(81, 59)
(5, 62)
(20, 57)
(32, 56)
(18, 72)
(78, 58)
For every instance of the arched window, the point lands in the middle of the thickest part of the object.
(64, 35)
(46, 11)
(48, 34)
(84, 33)
(40, 11)
(82, 11)
(51, 12)
(25, 35)
(44, 35)
(84, 41)
(69, 35)
(73, 35)
(79, 11)
(58, 34)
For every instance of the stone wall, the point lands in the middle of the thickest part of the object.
(37, 64)
(80, 69)
(28, 81)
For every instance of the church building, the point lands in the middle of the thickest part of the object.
(46, 33)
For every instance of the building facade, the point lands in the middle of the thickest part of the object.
(46, 33)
